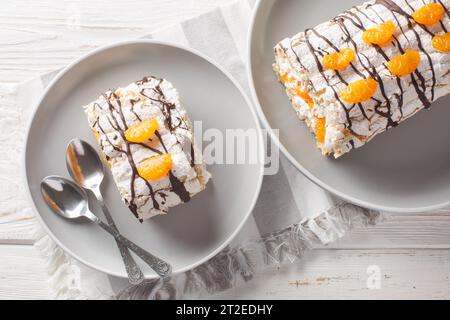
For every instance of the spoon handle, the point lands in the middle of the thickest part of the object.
(162, 268)
(135, 275)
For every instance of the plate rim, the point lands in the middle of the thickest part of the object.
(74, 63)
(290, 157)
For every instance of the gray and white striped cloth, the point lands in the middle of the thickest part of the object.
(291, 216)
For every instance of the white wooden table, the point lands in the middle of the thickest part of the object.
(411, 252)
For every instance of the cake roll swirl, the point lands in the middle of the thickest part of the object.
(367, 70)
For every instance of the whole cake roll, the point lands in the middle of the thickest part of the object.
(147, 140)
(367, 70)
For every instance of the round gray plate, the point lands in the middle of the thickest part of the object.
(404, 170)
(191, 233)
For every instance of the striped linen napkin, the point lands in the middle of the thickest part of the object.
(292, 214)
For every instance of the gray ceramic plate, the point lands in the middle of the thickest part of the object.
(190, 234)
(404, 170)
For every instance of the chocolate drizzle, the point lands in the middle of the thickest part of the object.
(192, 155)
(321, 70)
(179, 188)
(391, 5)
(354, 17)
(445, 8)
(117, 121)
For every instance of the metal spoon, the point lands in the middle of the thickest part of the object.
(86, 169)
(70, 201)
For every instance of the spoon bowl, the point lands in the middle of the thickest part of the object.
(86, 169)
(68, 200)
(64, 197)
(84, 164)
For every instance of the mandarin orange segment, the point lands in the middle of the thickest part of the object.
(339, 61)
(320, 130)
(442, 42)
(142, 131)
(359, 91)
(405, 64)
(429, 14)
(284, 78)
(381, 34)
(156, 167)
(293, 81)
(305, 96)
(348, 54)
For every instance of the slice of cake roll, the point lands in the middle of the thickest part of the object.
(147, 141)
(367, 70)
